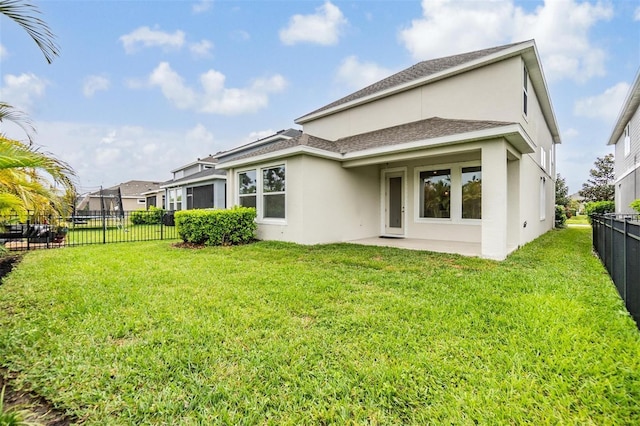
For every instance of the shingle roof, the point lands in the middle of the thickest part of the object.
(259, 145)
(213, 173)
(133, 188)
(415, 72)
(429, 128)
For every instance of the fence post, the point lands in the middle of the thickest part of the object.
(624, 259)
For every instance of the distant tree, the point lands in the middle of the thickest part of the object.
(562, 191)
(600, 186)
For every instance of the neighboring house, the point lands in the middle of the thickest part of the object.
(456, 151)
(199, 183)
(626, 138)
(132, 193)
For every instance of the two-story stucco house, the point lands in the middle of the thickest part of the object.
(456, 151)
(626, 138)
(197, 185)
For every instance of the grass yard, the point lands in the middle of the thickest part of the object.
(82, 234)
(578, 220)
(275, 333)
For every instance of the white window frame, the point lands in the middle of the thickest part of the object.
(627, 139)
(142, 201)
(543, 158)
(543, 198)
(237, 194)
(455, 206)
(259, 194)
(525, 92)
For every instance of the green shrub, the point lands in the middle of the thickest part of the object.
(216, 227)
(153, 216)
(635, 204)
(561, 217)
(599, 207)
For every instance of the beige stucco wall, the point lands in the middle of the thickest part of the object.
(324, 202)
(453, 229)
(493, 92)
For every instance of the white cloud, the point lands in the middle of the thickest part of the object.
(324, 27)
(560, 28)
(3, 52)
(93, 84)
(570, 133)
(202, 48)
(146, 37)
(240, 35)
(605, 106)
(636, 14)
(200, 134)
(21, 91)
(215, 98)
(202, 6)
(259, 134)
(357, 74)
(172, 86)
(132, 152)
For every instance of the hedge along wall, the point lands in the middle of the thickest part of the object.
(216, 227)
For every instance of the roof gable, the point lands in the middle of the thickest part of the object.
(415, 73)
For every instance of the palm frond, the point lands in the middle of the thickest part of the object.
(9, 113)
(26, 14)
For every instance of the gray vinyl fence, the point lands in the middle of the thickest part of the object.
(616, 239)
(32, 231)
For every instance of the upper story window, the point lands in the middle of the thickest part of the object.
(627, 139)
(543, 158)
(525, 91)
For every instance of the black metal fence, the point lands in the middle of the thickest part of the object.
(30, 231)
(616, 239)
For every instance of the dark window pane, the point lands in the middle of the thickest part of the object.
(203, 197)
(247, 182)
(274, 206)
(273, 179)
(435, 197)
(472, 193)
(248, 201)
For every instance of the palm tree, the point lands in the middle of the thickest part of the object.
(22, 186)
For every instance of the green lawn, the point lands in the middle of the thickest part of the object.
(578, 220)
(275, 333)
(94, 233)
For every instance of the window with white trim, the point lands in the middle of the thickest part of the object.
(435, 194)
(525, 91)
(273, 192)
(247, 188)
(543, 158)
(543, 199)
(265, 190)
(472, 192)
(627, 140)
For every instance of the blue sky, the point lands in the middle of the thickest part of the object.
(143, 87)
